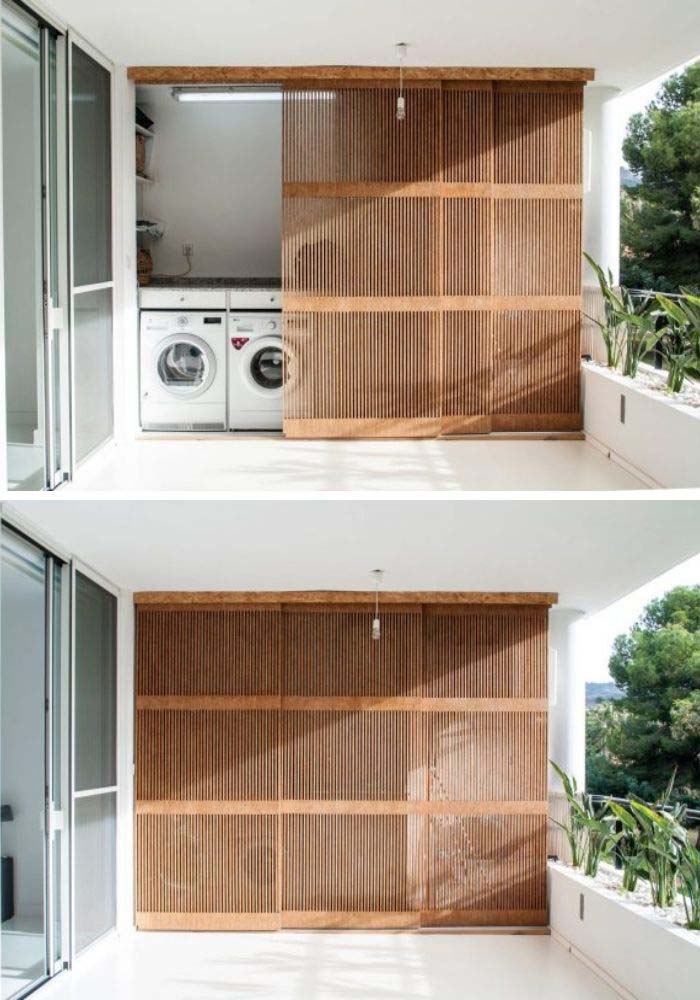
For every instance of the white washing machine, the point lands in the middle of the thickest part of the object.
(256, 371)
(183, 370)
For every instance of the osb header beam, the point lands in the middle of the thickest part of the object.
(282, 74)
(204, 597)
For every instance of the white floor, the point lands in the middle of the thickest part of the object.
(329, 966)
(271, 463)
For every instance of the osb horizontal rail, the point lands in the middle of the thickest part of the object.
(214, 75)
(348, 807)
(345, 703)
(298, 303)
(279, 597)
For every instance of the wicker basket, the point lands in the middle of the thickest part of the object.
(140, 154)
(144, 266)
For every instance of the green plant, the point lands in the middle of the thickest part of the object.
(629, 329)
(589, 832)
(689, 881)
(575, 829)
(681, 338)
(611, 328)
(600, 834)
(662, 839)
(641, 336)
(628, 847)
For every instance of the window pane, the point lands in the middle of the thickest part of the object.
(95, 867)
(92, 177)
(95, 686)
(93, 370)
(22, 732)
(22, 224)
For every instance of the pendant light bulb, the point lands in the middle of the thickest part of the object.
(378, 575)
(401, 48)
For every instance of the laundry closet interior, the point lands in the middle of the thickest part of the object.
(344, 255)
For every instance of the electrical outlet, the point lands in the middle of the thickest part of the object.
(187, 249)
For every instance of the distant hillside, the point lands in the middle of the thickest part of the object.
(601, 691)
(628, 179)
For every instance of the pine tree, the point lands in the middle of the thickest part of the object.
(636, 742)
(660, 224)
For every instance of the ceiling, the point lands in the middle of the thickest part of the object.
(628, 42)
(591, 548)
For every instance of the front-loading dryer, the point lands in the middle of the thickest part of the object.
(257, 371)
(183, 371)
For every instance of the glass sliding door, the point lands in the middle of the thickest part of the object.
(35, 249)
(91, 219)
(95, 761)
(33, 767)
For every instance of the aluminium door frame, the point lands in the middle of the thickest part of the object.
(78, 566)
(53, 557)
(48, 25)
(54, 317)
(75, 38)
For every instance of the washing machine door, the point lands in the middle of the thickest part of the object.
(185, 366)
(263, 366)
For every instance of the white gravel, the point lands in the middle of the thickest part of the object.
(610, 878)
(655, 382)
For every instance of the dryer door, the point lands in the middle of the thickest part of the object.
(185, 366)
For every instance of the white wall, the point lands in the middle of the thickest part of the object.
(659, 439)
(567, 695)
(639, 954)
(603, 131)
(218, 171)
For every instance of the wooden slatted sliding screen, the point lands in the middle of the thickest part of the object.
(292, 772)
(432, 267)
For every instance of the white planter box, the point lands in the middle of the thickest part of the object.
(638, 952)
(659, 438)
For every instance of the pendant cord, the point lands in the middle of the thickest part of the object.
(401, 99)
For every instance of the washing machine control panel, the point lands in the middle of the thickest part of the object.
(247, 326)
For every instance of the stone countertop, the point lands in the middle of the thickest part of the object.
(165, 282)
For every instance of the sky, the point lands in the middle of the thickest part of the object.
(601, 629)
(637, 100)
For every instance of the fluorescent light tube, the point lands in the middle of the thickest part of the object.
(242, 94)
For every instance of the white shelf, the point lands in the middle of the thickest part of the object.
(144, 131)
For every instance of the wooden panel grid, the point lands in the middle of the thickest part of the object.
(347, 863)
(537, 247)
(326, 136)
(193, 652)
(372, 247)
(486, 756)
(485, 863)
(336, 741)
(198, 755)
(538, 135)
(327, 654)
(176, 856)
(472, 204)
(536, 366)
(473, 653)
(369, 367)
(396, 783)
